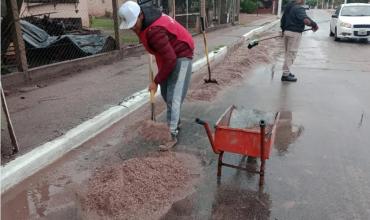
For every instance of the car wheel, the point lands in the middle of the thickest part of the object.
(335, 36)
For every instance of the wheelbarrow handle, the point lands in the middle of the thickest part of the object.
(209, 134)
(201, 122)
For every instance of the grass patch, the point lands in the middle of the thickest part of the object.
(129, 39)
(102, 23)
(127, 36)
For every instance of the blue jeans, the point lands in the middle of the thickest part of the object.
(174, 90)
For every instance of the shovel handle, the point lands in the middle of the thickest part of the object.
(202, 24)
(151, 96)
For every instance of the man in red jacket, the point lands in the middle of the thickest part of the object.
(173, 47)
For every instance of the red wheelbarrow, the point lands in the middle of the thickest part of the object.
(245, 132)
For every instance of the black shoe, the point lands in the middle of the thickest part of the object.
(291, 74)
(289, 78)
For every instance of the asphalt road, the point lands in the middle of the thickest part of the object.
(318, 168)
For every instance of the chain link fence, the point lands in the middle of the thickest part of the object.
(60, 30)
(187, 13)
(8, 53)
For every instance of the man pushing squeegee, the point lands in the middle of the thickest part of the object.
(292, 24)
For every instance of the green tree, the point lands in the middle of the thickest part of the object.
(357, 1)
(311, 3)
(248, 6)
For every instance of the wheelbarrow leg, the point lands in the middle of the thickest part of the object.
(262, 168)
(219, 166)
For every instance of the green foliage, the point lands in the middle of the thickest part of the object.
(357, 1)
(311, 3)
(248, 6)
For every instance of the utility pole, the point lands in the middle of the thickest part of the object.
(187, 14)
(280, 4)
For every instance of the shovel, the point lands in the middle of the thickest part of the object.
(151, 78)
(209, 80)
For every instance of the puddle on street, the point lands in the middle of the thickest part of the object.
(286, 133)
(36, 202)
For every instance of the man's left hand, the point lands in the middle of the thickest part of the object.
(315, 28)
(153, 87)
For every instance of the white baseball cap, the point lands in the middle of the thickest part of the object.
(128, 12)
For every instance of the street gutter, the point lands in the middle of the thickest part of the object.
(28, 164)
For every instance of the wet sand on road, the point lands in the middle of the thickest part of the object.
(233, 69)
(155, 131)
(141, 188)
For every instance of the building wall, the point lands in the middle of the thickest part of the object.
(62, 11)
(100, 8)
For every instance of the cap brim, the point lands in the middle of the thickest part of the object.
(125, 25)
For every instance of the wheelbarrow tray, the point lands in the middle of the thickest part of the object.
(245, 140)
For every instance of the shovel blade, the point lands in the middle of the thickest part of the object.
(210, 81)
(153, 112)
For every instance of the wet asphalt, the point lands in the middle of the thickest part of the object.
(318, 168)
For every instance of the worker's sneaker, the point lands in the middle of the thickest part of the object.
(289, 78)
(170, 144)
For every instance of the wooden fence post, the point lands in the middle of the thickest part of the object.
(174, 9)
(18, 40)
(219, 11)
(116, 24)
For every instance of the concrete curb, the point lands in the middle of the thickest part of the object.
(28, 164)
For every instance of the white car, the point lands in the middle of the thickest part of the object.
(351, 21)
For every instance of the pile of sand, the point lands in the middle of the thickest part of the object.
(155, 131)
(140, 188)
(233, 68)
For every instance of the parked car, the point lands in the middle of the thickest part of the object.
(351, 21)
(307, 7)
